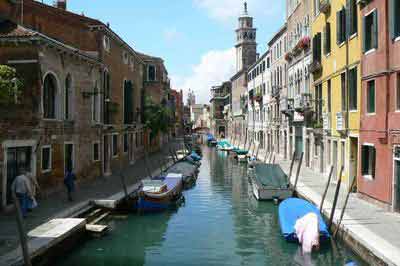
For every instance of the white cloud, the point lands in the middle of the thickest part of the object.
(215, 67)
(171, 35)
(225, 10)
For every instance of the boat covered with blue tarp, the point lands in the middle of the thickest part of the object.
(292, 209)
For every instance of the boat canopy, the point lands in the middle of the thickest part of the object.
(271, 175)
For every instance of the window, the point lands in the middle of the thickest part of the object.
(327, 39)
(67, 99)
(125, 142)
(343, 154)
(125, 57)
(151, 73)
(341, 26)
(106, 43)
(394, 18)
(329, 96)
(46, 158)
(128, 102)
(49, 97)
(398, 92)
(137, 140)
(96, 152)
(318, 103)
(96, 104)
(353, 17)
(368, 160)
(370, 26)
(115, 145)
(317, 47)
(371, 96)
(344, 94)
(107, 97)
(353, 89)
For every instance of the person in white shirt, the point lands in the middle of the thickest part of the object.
(22, 188)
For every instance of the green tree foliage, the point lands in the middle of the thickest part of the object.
(10, 85)
(157, 117)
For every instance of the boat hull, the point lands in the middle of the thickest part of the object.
(261, 193)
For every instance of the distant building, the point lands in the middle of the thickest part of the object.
(220, 98)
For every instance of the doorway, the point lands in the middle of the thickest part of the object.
(396, 180)
(68, 157)
(353, 159)
(321, 157)
(298, 142)
(308, 152)
(335, 161)
(106, 155)
(19, 160)
(131, 149)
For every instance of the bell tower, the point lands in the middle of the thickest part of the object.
(246, 46)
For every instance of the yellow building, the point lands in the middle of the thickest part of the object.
(336, 68)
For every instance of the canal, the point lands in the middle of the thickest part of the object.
(220, 223)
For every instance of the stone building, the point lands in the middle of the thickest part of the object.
(177, 98)
(278, 132)
(259, 87)
(297, 104)
(220, 97)
(84, 108)
(246, 55)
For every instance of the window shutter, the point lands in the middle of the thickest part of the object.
(348, 17)
(338, 24)
(375, 30)
(314, 47)
(364, 31)
(392, 18)
(328, 32)
(373, 154)
(319, 46)
(364, 160)
(325, 40)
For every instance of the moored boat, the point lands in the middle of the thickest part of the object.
(269, 182)
(187, 171)
(292, 209)
(159, 193)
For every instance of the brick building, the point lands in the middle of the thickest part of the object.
(177, 98)
(84, 96)
(220, 97)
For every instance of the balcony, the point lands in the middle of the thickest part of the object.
(341, 121)
(325, 6)
(275, 91)
(302, 102)
(286, 105)
(315, 67)
(326, 118)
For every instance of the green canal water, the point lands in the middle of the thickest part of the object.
(220, 223)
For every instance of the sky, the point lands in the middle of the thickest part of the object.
(194, 37)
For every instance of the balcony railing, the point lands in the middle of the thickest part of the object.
(302, 102)
(286, 105)
(275, 91)
(325, 6)
(326, 118)
(315, 66)
(341, 121)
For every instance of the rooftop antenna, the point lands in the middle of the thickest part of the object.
(245, 8)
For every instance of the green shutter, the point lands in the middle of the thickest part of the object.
(328, 32)
(347, 19)
(364, 34)
(375, 30)
(338, 28)
(325, 40)
(373, 154)
(392, 12)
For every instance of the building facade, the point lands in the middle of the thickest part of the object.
(220, 97)
(336, 41)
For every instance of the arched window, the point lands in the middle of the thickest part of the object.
(49, 97)
(107, 98)
(67, 98)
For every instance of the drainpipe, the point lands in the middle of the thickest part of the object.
(388, 39)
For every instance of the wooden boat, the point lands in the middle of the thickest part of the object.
(269, 182)
(292, 209)
(187, 171)
(242, 158)
(159, 193)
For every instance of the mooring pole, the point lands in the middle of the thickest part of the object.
(146, 162)
(326, 189)
(335, 198)
(291, 165)
(345, 206)
(21, 231)
(298, 172)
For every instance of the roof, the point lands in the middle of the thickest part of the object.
(277, 35)
(146, 57)
(258, 60)
(10, 29)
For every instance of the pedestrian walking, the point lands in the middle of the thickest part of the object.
(69, 182)
(21, 187)
(34, 187)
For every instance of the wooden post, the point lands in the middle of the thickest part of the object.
(146, 162)
(291, 166)
(345, 206)
(21, 231)
(335, 198)
(273, 161)
(124, 185)
(326, 189)
(298, 172)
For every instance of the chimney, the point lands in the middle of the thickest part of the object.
(61, 4)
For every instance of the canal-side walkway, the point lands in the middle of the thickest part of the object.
(365, 226)
(56, 205)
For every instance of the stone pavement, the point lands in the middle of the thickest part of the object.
(57, 206)
(367, 224)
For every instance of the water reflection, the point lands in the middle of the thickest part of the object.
(220, 224)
